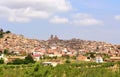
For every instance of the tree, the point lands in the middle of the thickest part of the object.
(1, 61)
(29, 59)
(6, 51)
(67, 61)
(92, 54)
(18, 61)
(8, 32)
(1, 35)
(1, 30)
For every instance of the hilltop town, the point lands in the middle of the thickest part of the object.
(18, 45)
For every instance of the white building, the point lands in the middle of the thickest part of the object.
(99, 59)
(65, 50)
(1, 56)
(54, 64)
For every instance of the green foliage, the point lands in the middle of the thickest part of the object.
(29, 59)
(8, 32)
(83, 69)
(18, 61)
(105, 56)
(66, 57)
(6, 51)
(1, 61)
(91, 54)
(36, 68)
(73, 57)
(1, 35)
(67, 61)
(109, 64)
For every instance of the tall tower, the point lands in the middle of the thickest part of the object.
(51, 37)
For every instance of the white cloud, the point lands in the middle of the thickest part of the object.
(83, 19)
(81, 16)
(117, 17)
(87, 22)
(18, 19)
(26, 10)
(59, 20)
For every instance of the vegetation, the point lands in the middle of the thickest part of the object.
(7, 32)
(28, 59)
(6, 51)
(1, 61)
(2, 33)
(91, 54)
(82, 69)
(67, 61)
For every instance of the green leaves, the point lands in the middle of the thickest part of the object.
(86, 69)
(29, 59)
(1, 61)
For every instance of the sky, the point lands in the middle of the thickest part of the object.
(97, 20)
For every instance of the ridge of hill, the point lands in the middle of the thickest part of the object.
(18, 43)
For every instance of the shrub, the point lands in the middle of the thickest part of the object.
(8, 32)
(1, 61)
(18, 61)
(29, 59)
(67, 61)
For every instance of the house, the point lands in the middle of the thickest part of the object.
(65, 50)
(57, 54)
(99, 59)
(51, 55)
(36, 55)
(54, 64)
(1, 56)
(16, 53)
(114, 58)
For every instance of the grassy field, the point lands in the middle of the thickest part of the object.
(84, 69)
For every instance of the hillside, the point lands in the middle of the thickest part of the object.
(13, 43)
(18, 43)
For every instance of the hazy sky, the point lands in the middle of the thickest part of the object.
(97, 20)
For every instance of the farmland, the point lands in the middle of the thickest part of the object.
(78, 69)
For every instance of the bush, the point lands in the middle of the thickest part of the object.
(6, 51)
(29, 59)
(8, 32)
(1, 61)
(67, 61)
(18, 61)
(1, 35)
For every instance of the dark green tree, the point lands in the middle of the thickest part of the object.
(6, 51)
(18, 61)
(1, 35)
(8, 32)
(29, 59)
(67, 61)
(92, 54)
(1, 61)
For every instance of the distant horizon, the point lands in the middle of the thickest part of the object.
(84, 19)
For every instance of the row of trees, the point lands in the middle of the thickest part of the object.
(28, 59)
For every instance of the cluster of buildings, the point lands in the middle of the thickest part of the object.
(55, 47)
